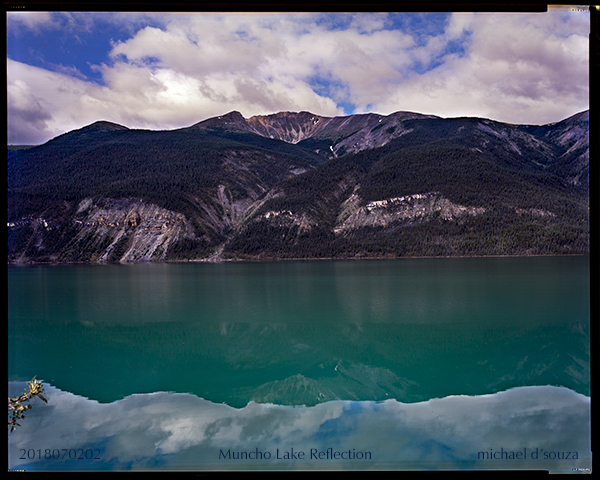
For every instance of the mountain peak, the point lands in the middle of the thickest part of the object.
(233, 115)
(287, 114)
(578, 117)
(99, 126)
(233, 118)
(103, 125)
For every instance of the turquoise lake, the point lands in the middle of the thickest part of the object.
(185, 366)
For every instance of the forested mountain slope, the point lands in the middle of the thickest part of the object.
(297, 185)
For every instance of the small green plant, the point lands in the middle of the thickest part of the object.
(16, 404)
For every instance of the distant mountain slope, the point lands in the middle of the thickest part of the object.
(571, 138)
(206, 178)
(298, 185)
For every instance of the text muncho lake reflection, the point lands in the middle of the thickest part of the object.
(353, 454)
(294, 454)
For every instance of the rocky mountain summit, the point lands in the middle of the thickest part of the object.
(299, 185)
(329, 136)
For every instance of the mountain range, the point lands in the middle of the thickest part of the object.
(295, 185)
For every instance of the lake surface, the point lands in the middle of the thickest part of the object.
(413, 361)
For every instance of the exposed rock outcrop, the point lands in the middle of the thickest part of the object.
(129, 230)
(408, 208)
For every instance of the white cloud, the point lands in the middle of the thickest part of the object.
(32, 21)
(273, 54)
(517, 68)
(42, 104)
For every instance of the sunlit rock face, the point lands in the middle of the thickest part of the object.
(408, 208)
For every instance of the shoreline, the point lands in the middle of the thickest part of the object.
(293, 259)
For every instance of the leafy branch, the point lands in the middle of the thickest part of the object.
(16, 404)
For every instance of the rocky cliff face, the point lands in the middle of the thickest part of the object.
(128, 230)
(287, 126)
(125, 230)
(406, 209)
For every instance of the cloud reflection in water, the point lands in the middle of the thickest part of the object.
(172, 431)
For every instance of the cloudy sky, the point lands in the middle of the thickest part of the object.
(163, 71)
